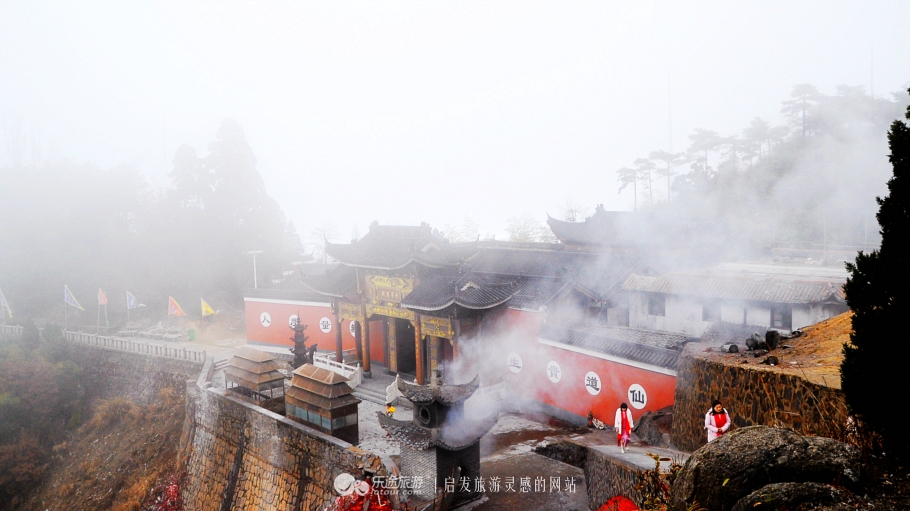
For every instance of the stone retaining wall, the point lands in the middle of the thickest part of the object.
(133, 375)
(753, 396)
(240, 456)
(245, 457)
(607, 477)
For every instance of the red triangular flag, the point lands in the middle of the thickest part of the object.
(173, 309)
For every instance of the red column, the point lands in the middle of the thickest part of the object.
(338, 351)
(418, 352)
(365, 333)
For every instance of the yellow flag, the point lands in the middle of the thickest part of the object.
(206, 309)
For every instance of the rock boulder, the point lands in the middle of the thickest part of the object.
(738, 463)
(654, 428)
(803, 496)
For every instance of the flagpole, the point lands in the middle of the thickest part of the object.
(128, 309)
(98, 324)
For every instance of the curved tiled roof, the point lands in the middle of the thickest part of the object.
(628, 229)
(444, 394)
(643, 346)
(453, 437)
(253, 369)
(407, 432)
(738, 288)
(321, 387)
(472, 291)
(336, 283)
(392, 247)
(546, 274)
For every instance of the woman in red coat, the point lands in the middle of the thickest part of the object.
(623, 425)
(717, 420)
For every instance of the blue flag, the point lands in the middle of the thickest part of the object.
(69, 298)
(132, 302)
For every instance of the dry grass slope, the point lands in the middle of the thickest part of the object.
(116, 459)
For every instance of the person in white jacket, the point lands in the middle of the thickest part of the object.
(717, 420)
(623, 425)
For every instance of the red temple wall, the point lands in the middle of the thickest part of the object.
(278, 332)
(570, 392)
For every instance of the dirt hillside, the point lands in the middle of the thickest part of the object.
(120, 459)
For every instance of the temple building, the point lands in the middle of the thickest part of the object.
(637, 232)
(570, 328)
(689, 302)
(378, 272)
(440, 446)
(414, 296)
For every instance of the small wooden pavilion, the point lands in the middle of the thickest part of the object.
(323, 400)
(254, 375)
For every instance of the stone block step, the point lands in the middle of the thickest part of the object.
(371, 397)
(378, 397)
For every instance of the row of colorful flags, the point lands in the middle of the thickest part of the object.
(173, 308)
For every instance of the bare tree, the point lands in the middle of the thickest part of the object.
(528, 228)
(467, 231)
(318, 239)
(573, 211)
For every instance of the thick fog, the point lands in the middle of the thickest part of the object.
(146, 146)
(409, 112)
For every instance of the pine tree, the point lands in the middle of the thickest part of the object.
(875, 361)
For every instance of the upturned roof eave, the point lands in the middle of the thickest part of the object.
(455, 301)
(324, 293)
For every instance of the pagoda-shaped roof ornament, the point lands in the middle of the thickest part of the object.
(447, 395)
(440, 435)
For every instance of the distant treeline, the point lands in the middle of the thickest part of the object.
(809, 182)
(91, 228)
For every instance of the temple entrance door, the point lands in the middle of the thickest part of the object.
(404, 346)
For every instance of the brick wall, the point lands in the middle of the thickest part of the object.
(245, 457)
(753, 396)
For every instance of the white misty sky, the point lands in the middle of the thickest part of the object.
(405, 112)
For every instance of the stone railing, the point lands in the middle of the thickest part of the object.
(353, 373)
(11, 331)
(136, 346)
